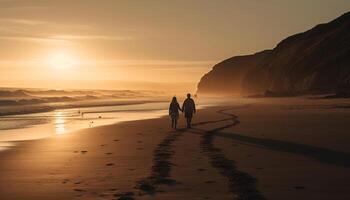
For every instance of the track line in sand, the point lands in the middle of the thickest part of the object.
(241, 184)
(160, 174)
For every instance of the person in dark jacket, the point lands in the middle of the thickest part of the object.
(189, 108)
(174, 112)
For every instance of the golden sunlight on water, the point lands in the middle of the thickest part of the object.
(60, 123)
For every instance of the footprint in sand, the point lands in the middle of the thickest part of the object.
(125, 196)
(116, 140)
(209, 182)
(79, 190)
(109, 153)
(102, 195)
(200, 169)
(298, 187)
(65, 181)
(109, 164)
(83, 152)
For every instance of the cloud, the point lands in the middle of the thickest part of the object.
(15, 23)
(91, 37)
(22, 4)
(21, 21)
(31, 39)
(154, 63)
(28, 30)
(64, 38)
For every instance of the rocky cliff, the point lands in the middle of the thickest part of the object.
(316, 61)
(226, 77)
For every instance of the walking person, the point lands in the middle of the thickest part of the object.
(174, 112)
(189, 108)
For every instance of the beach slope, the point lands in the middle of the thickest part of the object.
(257, 149)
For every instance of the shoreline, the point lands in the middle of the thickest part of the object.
(153, 115)
(151, 110)
(48, 108)
(14, 144)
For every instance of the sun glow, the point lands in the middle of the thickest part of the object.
(62, 60)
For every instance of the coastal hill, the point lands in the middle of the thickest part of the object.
(315, 61)
(227, 76)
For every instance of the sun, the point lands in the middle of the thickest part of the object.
(62, 60)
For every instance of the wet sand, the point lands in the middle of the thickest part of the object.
(263, 149)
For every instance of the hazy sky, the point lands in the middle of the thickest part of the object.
(138, 44)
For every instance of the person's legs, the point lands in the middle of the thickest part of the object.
(172, 123)
(175, 124)
(188, 121)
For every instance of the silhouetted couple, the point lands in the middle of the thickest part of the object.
(188, 107)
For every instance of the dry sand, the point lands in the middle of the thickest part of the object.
(264, 149)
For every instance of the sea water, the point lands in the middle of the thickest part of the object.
(65, 121)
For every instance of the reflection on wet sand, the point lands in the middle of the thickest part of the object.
(60, 123)
(5, 145)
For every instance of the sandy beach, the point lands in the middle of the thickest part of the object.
(255, 149)
(174, 100)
